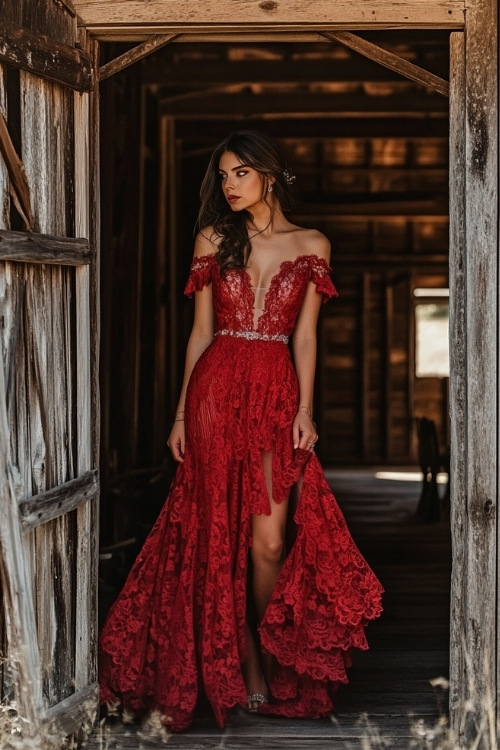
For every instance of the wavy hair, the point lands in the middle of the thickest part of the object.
(256, 150)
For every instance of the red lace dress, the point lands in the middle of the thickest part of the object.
(178, 626)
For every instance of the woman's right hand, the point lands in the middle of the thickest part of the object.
(177, 440)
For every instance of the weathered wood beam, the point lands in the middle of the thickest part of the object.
(169, 16)
(19, 187)
(28, 247)
(71, 714)
(45, 57)
(62, 499)
(189, 73)
(322, 127)
(337, 105)
(16, 582)
(68, 6)
(391, 61)
(134, 55)
(458, 377)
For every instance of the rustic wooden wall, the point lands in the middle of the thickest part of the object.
(48, 398)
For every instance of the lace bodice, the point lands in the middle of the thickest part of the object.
(277, 306)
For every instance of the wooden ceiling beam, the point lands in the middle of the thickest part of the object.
(103, 17)
(299, 104)
(326, 127)
(193, 73)
(391, 61)
(134, 55)
(45, 57)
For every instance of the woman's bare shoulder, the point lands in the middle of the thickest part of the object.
(206, 242)
(315, 243)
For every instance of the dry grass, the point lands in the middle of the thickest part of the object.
(16, 733)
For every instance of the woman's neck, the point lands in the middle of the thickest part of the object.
(266, 220)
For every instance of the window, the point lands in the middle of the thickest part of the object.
(432, 357)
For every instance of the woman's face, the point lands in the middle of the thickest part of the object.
(243, 186)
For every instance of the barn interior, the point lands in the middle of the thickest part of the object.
(369, 149)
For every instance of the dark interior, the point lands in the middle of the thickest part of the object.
(370, 152)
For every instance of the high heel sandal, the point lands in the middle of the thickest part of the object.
(255, 700)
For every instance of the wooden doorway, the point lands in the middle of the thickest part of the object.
(473, 392)
(179, 144)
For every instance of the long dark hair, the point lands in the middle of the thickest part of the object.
(259, 151)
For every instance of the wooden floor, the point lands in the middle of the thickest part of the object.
(389, 702)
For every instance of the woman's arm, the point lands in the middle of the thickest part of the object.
(201, 336)
(304, 346)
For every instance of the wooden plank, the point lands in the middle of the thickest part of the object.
(46, 152)
(261, 34)
(25, 247)
(89, 530)
(102, 17)
(209, 104)
(134, 55)
(56, 502)
(85, 593)
(390, 60)
(45, 57)
(19, 186)
(458, 343)
(479, 613)
(72, 713)
(16, 583)
(4, 174)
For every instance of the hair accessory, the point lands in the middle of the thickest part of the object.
(289, 177)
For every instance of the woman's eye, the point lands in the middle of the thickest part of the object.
(242, 173)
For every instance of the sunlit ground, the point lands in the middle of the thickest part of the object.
(408, 476)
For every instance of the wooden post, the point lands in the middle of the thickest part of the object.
(474, 300)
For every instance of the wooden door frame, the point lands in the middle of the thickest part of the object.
(473, 276)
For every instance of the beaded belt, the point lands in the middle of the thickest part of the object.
(254, 335)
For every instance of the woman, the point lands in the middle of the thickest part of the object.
(228, 595)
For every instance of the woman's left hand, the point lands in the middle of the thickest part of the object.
(305, 435)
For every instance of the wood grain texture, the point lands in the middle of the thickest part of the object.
(71, 714)
(19, 186)
(47, 152)
(29, 247)
(19, 616)
(103, 17)
(84, 581)
(479, 533)
(135, 54)
(4, 174)
(44, 57)
(56, 502)
(458, 344)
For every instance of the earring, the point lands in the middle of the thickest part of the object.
(269, 188)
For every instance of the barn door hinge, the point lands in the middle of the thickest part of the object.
(67, 5)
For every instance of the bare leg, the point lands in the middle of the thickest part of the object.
(252, 670)
(268, 545)
(268, 552)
